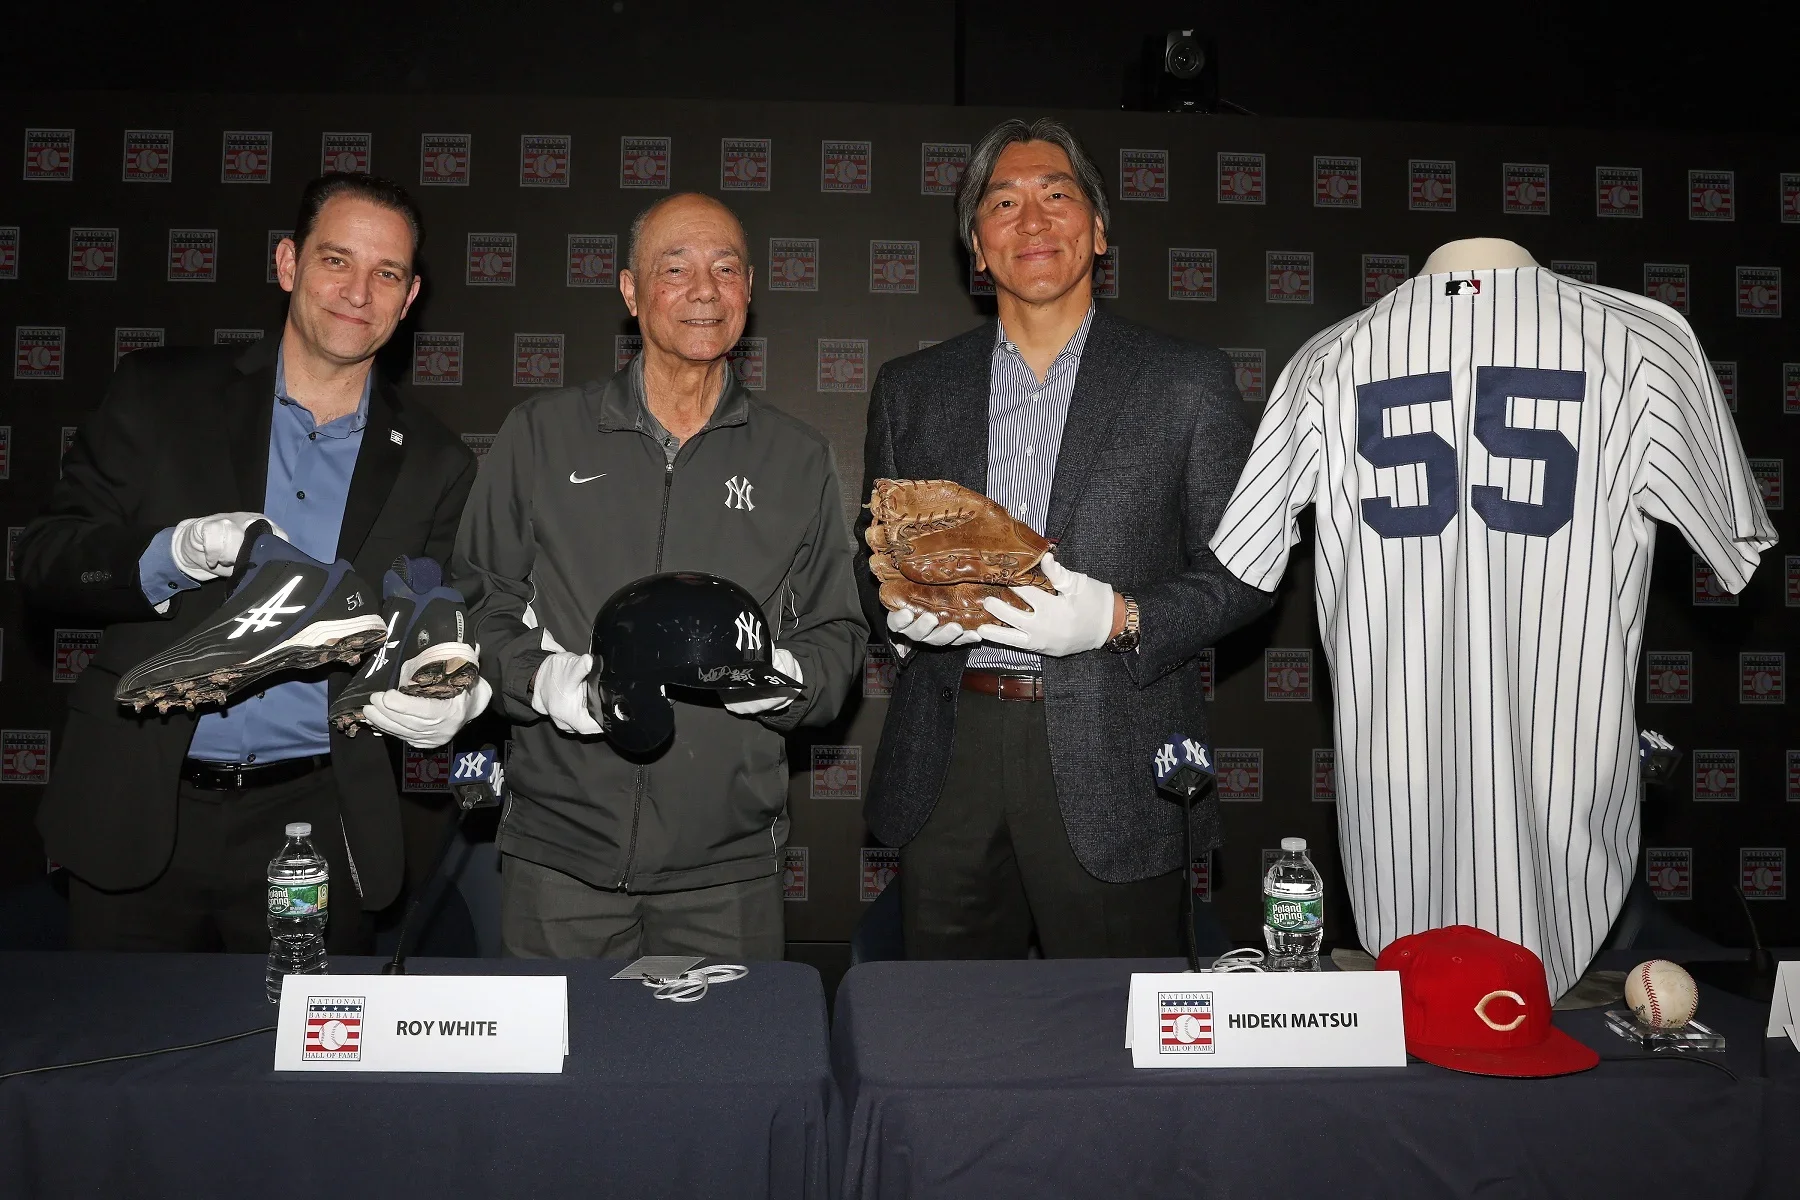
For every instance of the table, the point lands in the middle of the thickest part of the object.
(730, 1096)
(1012, 1079)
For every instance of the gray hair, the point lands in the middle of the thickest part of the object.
(987, 153)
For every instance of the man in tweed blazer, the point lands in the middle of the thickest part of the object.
(1015, 768)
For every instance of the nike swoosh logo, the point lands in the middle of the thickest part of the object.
(589, 479)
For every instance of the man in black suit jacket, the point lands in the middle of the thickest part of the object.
(1015, 769)
(166, 850)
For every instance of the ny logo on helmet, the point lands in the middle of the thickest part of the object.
(749, 633)
(737, 494)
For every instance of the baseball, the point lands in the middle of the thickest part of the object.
(1661, 994)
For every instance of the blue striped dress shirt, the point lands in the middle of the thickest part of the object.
(1025, 429)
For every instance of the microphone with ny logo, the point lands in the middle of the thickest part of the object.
(1184, 765)
(477, 778)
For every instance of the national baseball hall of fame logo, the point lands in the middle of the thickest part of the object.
(1193, 273)
(492, 260)
(1768, 475)
(1290, 276)
(1759, 292)
(1337, 182)
(246, 156)
(1324, 775)
(846, 166)
(881, 670)
(793, 264)
(25, 756)
(49, 155)
(1667, 282)
(193, 255)
(1716, 775)
(9, 251)
(879, 865)
(1669, 870)
(843, 364)
(1669, 677)
(544, 159)
(94, 254)
(1249, 367)
(437, 360)
(1200, 878)
(1204, 662)
(1526, 189)
(1762, 678)
(148, 157)
(1186, 1020)
(348, 152)
(744, 164)
(444, 159)
(1619, 192)
(626, 346)
(333, 1029)
(644, 162)
(127, 339)
(893, 267)
(1243, 178)
(1240, 776)
(836, 773)
(1106, 274)
(796, 874)
(1143, 174)
(1790, 378)
(1287, 674)
(941, 167)
(1583, 270)
(425, 770)
(538, 360)
(1712, 196)
(749, 361)
(75, 648)
(1792, 790)
(1431, 185)
(1382, 273)
(38, 351)
(1727, 375)
(593, 260)
(1762, 872)
(1708, 591)
(1790, 198)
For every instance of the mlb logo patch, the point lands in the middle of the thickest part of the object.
(879, 865)
(1793, 777)
(272, 272)
(125, 340)
(38, 351)
(148, 156)
(980, 282)
(837, 773)
(1619, 191)
(544, 159)
(1337, 182)
(793, 264)
(1203, 663)
(1462, 287)
(744, 164)
(1669, 677)
(845, 166)
(1290, 276)
(1584, 270)
(25, 756)
(893, 267)
(1727, 375)
(75, 648)
(1790, 384)
(437, 360)
(1667, 282)
(1382, 273)
(1287, 674)
(749, 361)
(1762, 872)
(880, 670)
(1712, 196)
(444, 159)
(9, 251)
(1242, 178)
(1250, 368)
(1193, 274)
(796, 874)
(1716, 775)
(1768, 473)
(538, 360)
(247, 156)
(1669, 871)
(941, 167)
(1708, 591)
(1186, 1022)
(1526, 189)
(1324, 775)
(1790, 198)
(843, 364)
(1431, 185)
(492, 260)
(333, 1029)
(1759, 291)
(346, 152)
(425, 770)
(478, 443)
(49, 155)
(1143, 174)
(644, 162)
(1762, 678)
(237, 337)
(1200, 878)
(626, 346)
(593, 260)
(193, 255)
(1106, 274)
(1240, 775)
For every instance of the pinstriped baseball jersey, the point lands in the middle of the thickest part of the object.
(1486, 452)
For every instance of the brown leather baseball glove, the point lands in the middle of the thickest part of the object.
(940, 548)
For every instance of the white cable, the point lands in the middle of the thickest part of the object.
(690, 986)
(1244, 958)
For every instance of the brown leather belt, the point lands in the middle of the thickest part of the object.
(1005, 685)
(235, 777)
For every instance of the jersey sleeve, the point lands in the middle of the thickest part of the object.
(1259, 526)
(1691, 471)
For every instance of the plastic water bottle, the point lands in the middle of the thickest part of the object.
(1293, 909)
(299, 900)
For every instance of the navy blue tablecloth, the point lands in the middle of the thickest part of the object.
(730, 1096)
(1012, 1079)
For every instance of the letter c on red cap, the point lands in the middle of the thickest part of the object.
(1481, 1011)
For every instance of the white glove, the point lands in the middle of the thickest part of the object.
(788, 665)
(420, 721)
(923, 627)
(207, 547)
(1079, 617)
(559, 689)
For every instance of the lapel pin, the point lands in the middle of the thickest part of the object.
(396, 437)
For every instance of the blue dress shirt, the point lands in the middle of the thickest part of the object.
(309, 481)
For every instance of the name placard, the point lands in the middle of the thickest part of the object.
(1784, 1004)
(486, 1023)
(1244, 1019)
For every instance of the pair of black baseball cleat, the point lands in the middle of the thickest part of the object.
(288, 611)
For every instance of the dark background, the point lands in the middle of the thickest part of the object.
(1539, 84)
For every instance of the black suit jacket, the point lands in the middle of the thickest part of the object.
(1155, 439)
(185, 433)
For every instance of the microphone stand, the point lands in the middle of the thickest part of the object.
(1187, 882)
(433, 886)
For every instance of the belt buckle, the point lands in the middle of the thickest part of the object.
(1030, 682)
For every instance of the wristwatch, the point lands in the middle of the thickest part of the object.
(1128, 636)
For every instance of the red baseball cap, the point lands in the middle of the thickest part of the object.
(1478, 1003)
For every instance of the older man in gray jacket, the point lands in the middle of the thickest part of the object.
(669, 466)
